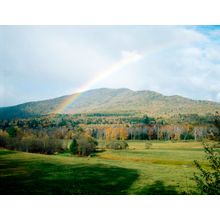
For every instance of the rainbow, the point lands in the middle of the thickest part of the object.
(128, 58)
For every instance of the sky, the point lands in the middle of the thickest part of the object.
(42, 62)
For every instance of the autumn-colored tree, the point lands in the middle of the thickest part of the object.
(86, 144)
(108, 133)
(3, 133)
(123, 133)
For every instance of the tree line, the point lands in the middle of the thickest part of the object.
(122, 127)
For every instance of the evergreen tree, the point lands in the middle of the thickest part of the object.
(12, 131)
(74, 147)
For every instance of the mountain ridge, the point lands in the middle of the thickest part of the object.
(105, 100)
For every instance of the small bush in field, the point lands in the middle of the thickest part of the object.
(117, 145)
(83, 144)
(147, 145)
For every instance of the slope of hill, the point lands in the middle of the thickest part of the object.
(114, 101)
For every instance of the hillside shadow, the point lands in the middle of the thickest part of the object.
(158, 188)
(42, 178)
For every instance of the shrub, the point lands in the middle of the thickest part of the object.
(53, 145)
(32, 145)
(217, 145)
(148, 145)
(117, 145)
(85, 144)
(186, 136)
(208, 180)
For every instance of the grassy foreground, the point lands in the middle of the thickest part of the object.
(165, 168)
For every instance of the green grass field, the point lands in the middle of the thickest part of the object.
(165, 168)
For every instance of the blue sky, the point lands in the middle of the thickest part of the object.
(40, 62)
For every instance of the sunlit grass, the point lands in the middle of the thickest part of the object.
(165, 168)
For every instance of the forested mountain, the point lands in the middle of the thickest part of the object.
(113, 101)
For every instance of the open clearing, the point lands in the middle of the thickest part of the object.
(164, 168)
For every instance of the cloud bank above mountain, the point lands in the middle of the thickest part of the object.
(39, 62)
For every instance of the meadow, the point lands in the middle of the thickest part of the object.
(144, 169)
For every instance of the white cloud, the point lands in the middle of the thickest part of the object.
(45, 62)
(134, 54)
(188, 35)
(218, 96)
(215, 33)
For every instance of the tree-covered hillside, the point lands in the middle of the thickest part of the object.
(114, 101)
